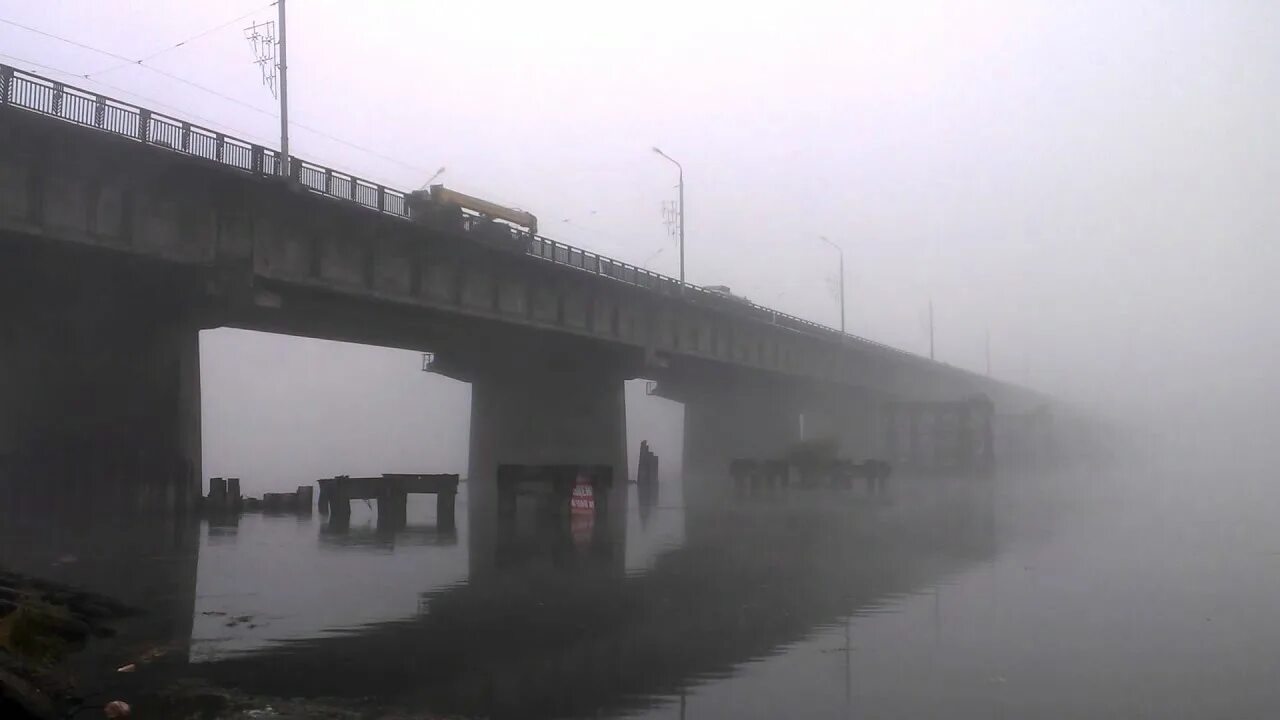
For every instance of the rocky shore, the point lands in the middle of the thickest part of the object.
(43, 625)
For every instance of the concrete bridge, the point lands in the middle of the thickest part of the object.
(123, 232)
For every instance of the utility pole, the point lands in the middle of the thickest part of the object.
(681, 169)
(930, 328)
(988, 338)
(284, 97)
(841, 251)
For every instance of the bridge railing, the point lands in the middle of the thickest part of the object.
(35, 93)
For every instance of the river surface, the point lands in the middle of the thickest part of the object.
(1136, 593)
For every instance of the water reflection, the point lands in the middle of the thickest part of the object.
(554, 629)
(541, 623)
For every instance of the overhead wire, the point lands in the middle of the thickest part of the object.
(213, 124)
(141, 63)
(180, 43)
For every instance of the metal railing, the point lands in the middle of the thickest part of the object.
(28, 91)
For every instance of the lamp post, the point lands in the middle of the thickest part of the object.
(841, 251)
(681, 169)
(432, 179)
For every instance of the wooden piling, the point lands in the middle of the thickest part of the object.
(217, 498)
(445, 505)
(233, 494)
(339, 503)
(304, 501)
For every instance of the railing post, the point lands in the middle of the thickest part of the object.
(6, 83)
(295, 169)
(186, 137)
(328, 181)
(257, 159)
(382, 198)
(219, 142)
(59, 92)
(144, 124)
(99, 111)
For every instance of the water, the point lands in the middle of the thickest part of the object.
(1124, 594)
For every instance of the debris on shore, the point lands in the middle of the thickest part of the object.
(41, 623)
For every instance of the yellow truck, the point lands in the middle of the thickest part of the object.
(438, 201)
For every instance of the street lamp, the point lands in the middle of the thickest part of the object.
(841, 251)
(681, 168)
(432, 179)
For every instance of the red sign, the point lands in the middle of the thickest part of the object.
(582, 511)
(583, 499)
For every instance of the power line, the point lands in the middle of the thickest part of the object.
(213, 124)
(38, 31)
(180, 43)
(361, 148)
(211, 91)
(139, 63)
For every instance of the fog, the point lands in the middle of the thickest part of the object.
(1093, 185)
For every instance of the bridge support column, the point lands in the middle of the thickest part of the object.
(99, 390)
(851, 419)
(728, 425)
(539, 416)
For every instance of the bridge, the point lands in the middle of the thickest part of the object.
(123, 232)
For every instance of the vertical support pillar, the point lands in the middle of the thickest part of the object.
(216, 501)
(99, 387)
(339, 503)
(913, 436)
(446, 501)
(891, 440)
(59, 97)
(986, 423)
(739, 424)
(561, 416)
(966, 448)
(233, 494)
(305, 498)
(6, 83)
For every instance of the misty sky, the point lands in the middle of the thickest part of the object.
(1094, 184)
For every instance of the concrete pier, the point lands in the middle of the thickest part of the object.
(571, 416)
(99, 382)
(391, 491)
(724, 426)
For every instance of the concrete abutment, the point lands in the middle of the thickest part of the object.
(99, 385)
